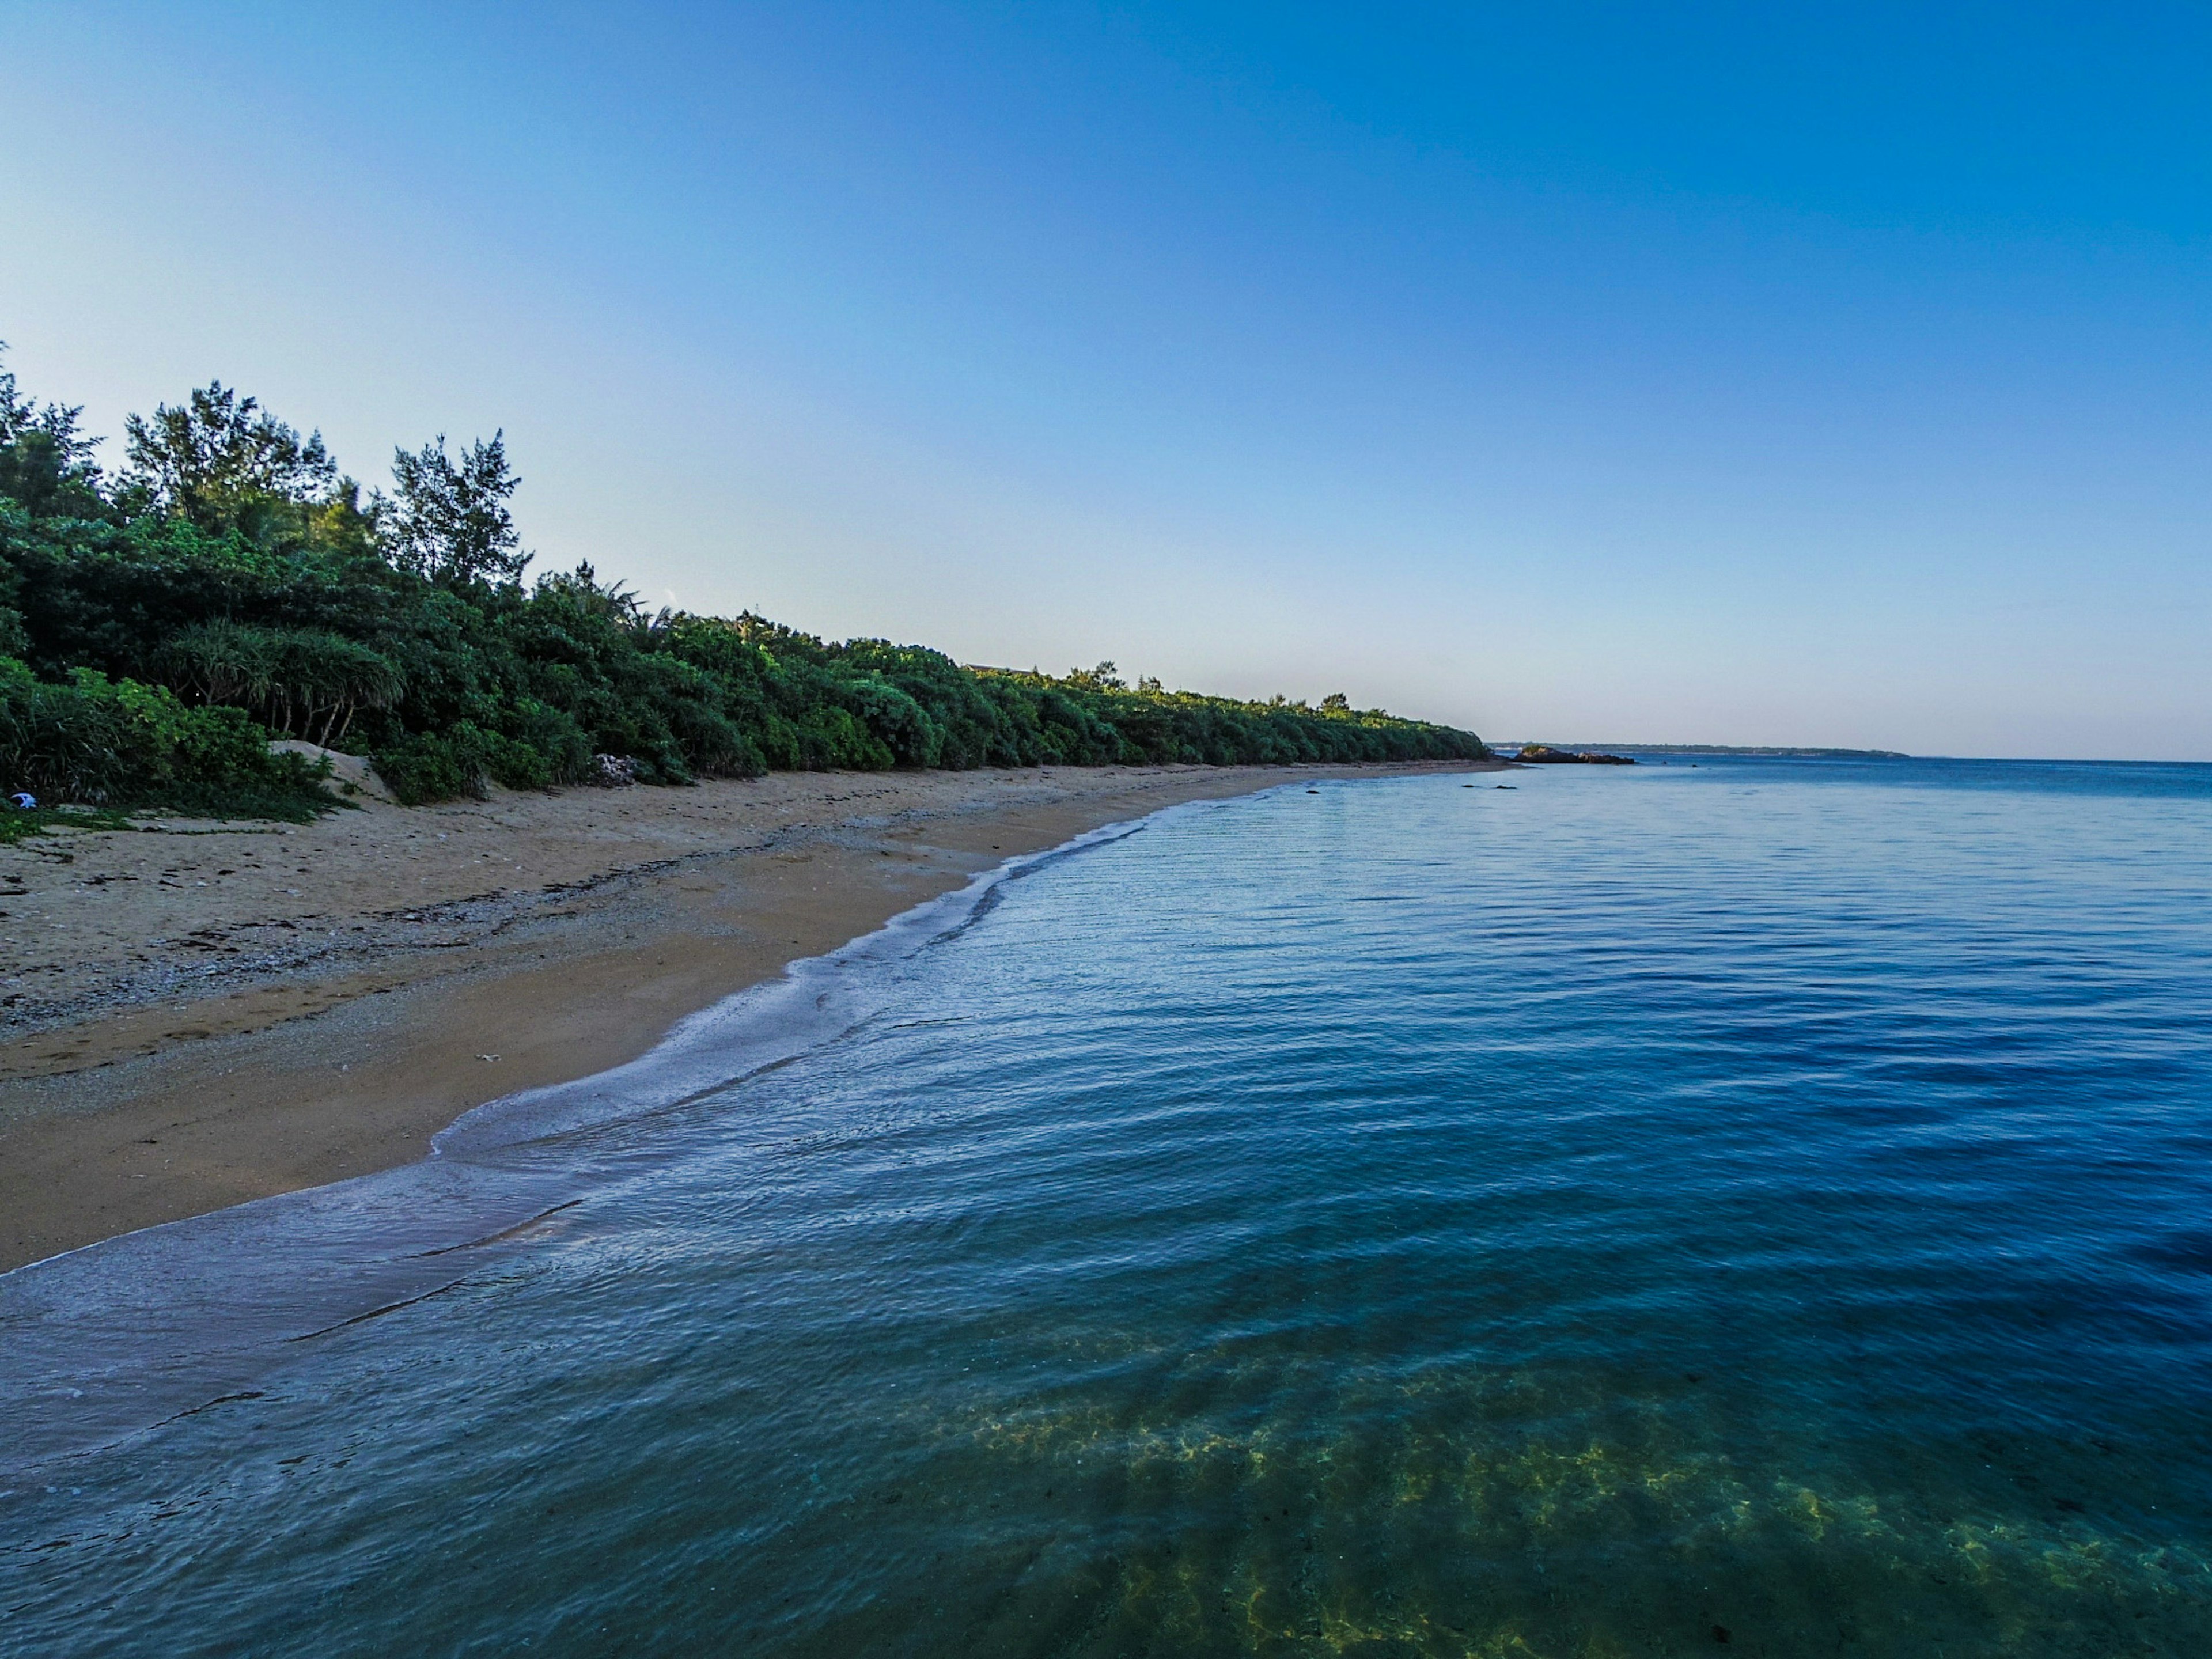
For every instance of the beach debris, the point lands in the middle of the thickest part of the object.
(613, 771)
(23, 802)
(487, 1056)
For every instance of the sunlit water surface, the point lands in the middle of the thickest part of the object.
(1759, 1205)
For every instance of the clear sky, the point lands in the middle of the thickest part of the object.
(1705, 373)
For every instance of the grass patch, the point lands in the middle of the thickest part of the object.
(17, 826)
(281, 805)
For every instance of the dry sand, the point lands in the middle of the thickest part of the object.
(212, 1013)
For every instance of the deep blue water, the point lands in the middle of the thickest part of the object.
(1761, 1206)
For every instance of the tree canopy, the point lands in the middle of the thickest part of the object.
(231, 584)
(223, 463)
(449, 520)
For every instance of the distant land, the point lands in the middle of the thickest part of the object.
(1725, 749)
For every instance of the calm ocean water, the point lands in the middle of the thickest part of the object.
(1763, 1204)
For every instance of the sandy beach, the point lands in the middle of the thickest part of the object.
(209, 1013)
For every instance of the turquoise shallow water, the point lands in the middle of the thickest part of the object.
(1757, 1208)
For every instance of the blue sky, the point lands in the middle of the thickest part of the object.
(1695, 373)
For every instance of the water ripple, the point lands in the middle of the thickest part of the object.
(1762, 1205)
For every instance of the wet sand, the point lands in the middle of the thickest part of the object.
(209, 1013)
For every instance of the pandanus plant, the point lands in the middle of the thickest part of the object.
(302, 681)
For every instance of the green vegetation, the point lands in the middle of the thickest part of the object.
(46, 820)
(158, 627)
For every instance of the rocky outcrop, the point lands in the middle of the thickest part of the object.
(350, 776)
(1542, 754)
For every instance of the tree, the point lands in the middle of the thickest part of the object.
(224, 463)
(450, 522)
(45, 463)
(343, 524)
(302, 681)
(152, 636)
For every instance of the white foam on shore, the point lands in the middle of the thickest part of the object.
(816, 1001)
(108, 1341)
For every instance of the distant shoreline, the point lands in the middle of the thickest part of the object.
(1773, 752)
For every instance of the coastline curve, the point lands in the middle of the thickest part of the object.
(113, 1338)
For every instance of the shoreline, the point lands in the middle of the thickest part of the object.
(185, 1030)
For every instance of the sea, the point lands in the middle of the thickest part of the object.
(1759, 1205)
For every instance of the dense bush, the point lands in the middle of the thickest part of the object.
(120, 744)
(229, 584)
